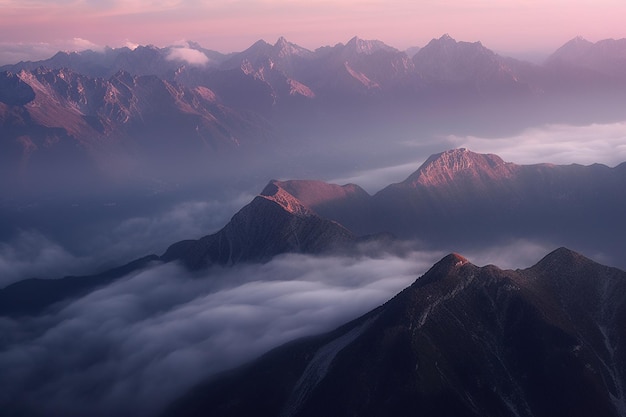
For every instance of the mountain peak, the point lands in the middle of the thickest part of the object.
(452, 260)
(274, 192)
(446, 38)
(443, 270)
(470, 329)
(261, 43)
(449, 165)
(572, 50)
(284, 48)
(560, 259)
(579, 39)
(313, 193)
(281, 42)
(448, 43)
(366, 47)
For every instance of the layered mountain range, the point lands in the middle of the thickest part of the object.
(112, 111)
(467, 198)
(462, 340)
(456, 199)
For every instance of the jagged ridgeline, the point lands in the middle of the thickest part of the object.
(462, 340)
(105, 114)
(457, 198)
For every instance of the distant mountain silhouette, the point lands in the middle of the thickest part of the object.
(603, 58)
(462, 340)
(451, 64)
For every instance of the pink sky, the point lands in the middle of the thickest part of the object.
(515, 27)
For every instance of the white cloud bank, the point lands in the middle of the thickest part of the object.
(188, 55)
(130, 348)
(557, 144)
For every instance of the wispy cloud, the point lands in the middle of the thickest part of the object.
(108, 241)
(142, 341)
(11, 53)
(558, 144)
(188, 55)
(32, 255)
(134, 346)
(555, 143)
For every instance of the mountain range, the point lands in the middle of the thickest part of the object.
(462, 340)
(467, 198)
(457, 198)
(128, 113)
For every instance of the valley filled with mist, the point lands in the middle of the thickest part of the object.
(278, 193)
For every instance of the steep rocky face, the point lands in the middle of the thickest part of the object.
(460, 166)
(462, 340)
(362, 68)
(445, 60)
(459, 195)
(14, 91)
(59, 117)
(275, 222)
(349, 204)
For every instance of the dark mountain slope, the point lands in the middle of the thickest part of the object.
(33, 296)
(274, 222)
(460, 194)
(462, 341)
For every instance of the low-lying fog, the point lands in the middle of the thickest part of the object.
(132, 347)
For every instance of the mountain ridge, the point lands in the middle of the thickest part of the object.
(462, 340)
(482, 198)
(130, 105)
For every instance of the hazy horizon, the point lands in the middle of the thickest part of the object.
(33, 30)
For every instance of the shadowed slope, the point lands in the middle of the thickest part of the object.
(462, 340)
(274, 222)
